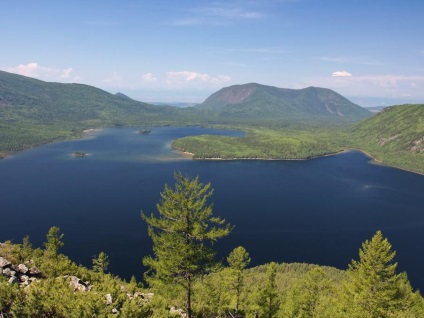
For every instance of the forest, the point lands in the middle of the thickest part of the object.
(184, 279)
(394, 137)
(33, 112)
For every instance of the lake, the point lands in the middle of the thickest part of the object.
(315, 211)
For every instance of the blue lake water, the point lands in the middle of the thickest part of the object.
(315, 211)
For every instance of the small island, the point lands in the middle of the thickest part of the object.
(79, 154)
(143, 132)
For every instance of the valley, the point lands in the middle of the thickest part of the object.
(279, 123)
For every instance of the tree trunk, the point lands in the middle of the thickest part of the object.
(188, 299)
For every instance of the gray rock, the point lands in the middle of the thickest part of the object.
(177, 311)
(109, 300)
(7, 272)
(4, 263)
(24, 278)
(13, 280)
(114, 311)
(34, 271)
(78, 285)
(22, 269)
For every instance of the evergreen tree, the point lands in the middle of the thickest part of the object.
(54, 241)
(101, 263)
(26, 249)
(238, 260)
(182, 234)
(312, 296)
(268, 300)
(373, 289)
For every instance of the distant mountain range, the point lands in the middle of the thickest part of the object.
(33, 112)
(376, 109)
(261, 101)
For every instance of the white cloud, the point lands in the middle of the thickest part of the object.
(33, 69)
(66, 73)
(372, 85)
(114, 78)
(186, 76)
(149, 77)
(220, 13)
(341, 74)
(29, 69)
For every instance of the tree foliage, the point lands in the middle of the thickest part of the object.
(183, 234)
(373, 287)
(54, 241)
(268, 298)
(238, 260)
(101, 263)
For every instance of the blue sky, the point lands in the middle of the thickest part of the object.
(371, 51)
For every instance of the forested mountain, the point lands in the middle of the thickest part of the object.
(24, 98)
(260, 101)
(395, 136)
(34, 112)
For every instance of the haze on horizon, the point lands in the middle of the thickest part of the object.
(372, 52)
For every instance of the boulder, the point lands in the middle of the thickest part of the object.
(22, 269)
(7, 272)
(173, 311)
(4, 262)
(34, 271)
(78, 285)
(13, 280)
(147, 296)
(109, 300)
(24, 279)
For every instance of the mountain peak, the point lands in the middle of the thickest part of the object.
(261, 101)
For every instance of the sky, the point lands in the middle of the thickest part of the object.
(370, 51)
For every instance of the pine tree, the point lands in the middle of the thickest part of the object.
(238, 260)
(182, 234)
(269, 300)
(373, 287)
(54, 241)
(101, 263)
(311, 296)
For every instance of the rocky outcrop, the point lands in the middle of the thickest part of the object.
(174, 311)
(77, 284)
(22, 274)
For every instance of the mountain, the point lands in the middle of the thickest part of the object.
(261, 101)
(119, 94)
(34, 112)
(394, 136)
(396, 128)
(47, 102)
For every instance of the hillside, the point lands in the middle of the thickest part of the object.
(34, 112)
(260, 101)
(394, 136)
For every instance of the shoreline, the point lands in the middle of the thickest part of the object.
(374, 160)
(86, 134)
